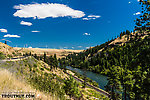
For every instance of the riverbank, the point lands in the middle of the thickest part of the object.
(98, 78)
(96, 88)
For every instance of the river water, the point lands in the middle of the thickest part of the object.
(100, 79)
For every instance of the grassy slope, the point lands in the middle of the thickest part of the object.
(123, 40)
(16, 77)
(59, 52)
(14, 51)
(10, 83)
(13, 80)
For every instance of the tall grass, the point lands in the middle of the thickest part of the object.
(10, 83)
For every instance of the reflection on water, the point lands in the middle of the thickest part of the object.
(100, 79)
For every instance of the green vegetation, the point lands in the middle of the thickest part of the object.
(48, 83)
(2, 56)
(143, 23)
(71, 88)
(51, 60)
(43, 78)
(88, 80)
(70, 85)
(127, 65)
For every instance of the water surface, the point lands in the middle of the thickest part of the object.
(100, 79)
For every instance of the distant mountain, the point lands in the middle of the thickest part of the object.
(9, 51)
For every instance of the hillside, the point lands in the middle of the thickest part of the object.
(17, 77)
(10, 83)
(59, 52)
(125, 60)
(16, 51)
(48, 82)
(7, 50)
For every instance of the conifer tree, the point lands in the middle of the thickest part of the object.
(44, 57)
(5, 42)
(143, 23)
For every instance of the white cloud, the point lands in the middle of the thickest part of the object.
(129, 2)
(65, 47)
(25, 23)
(138, 13)
(87, 47)
(30, 47)
(86, 34)
(3, 30)
(5, 40)
(8, 35)
(89, 17)
(35, 31)
(45, 10)
(85, 18)
(94, 16)
(79, 46)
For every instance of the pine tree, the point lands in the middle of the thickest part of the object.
(5, 42)
(44, 57)
(127, 32)
(71, 87)
(143, 23)
(30, 54)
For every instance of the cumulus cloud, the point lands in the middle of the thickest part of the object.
(8, 35)
(86, 34)
(129, 2)
(45, 10)
(35, 31)
(89, 17)
(138, 13)
(3, 30)
(25, 23)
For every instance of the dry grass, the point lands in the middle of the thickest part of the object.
(9, 83)
(6, 49)
(15, 51)
(59, 52)
(57, 71)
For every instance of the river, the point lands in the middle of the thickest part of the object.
(100, 79)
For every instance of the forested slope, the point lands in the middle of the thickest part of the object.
(127, 64)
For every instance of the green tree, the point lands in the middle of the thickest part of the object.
(114, 85)
(30, 54)
(45, 57)
(71, 87)
(5, 42)
(127, 32)
(2, 56)
(143, 23)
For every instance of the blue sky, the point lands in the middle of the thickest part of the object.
(69, 24)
